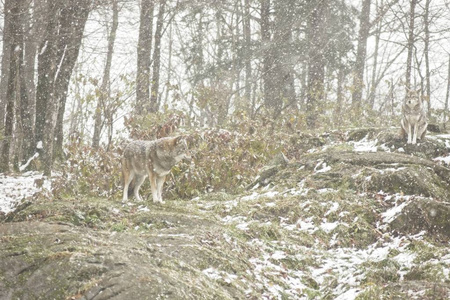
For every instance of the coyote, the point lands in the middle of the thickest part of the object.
(414, 121)
(153, 159)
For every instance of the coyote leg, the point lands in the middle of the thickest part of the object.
(416, 128)
(159, 185)
(153, 186)
(127, 178)
(409, 134)
(139, 180)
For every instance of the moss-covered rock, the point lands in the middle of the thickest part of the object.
(423, 214)
(330, 221)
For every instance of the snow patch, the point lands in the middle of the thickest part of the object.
(329, 227)
(322, 167)
(391, 214)
(445, 159)
(15, 188)
(365, 145)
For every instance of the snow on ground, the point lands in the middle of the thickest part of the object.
(445, 159)
(14, 188)
(365, 145)
(349, 267)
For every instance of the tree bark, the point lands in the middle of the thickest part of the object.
(268, 59)
(105, 89)
(15, 90)
(57, 56)
(374, 84)
(316, 61)
(361, 52)
(154, 95)
(248, 56)
(447, 94)
(282, 44)
(73, 21)
(426, 53)
(5, 64)
(143, 57)
(410, 45)
(46, 72)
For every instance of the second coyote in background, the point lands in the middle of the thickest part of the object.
(414, 121)
(153, 159)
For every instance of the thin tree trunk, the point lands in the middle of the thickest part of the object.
(5, 64)
(427, 59)
(57, 56)
(143, 57)
(316, 61)
(28, 106)
(46, 73)
(248, 56)
(154, 95)
(410, 45)
(13, 88)
(373, 85)
(236, 71)
(169, 66)
(361, 52)
(268, 59)
(105, 87)
(284, 77)
(340, 97)
(447, 94)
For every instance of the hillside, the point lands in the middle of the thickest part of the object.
(360, 215)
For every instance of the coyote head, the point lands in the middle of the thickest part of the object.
(175, 147)
(413, 102)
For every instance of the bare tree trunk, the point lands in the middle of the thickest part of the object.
(248, 56)
(46, 73)
(410, 45)
(33, 24)
(277, 63)
(5, 64)
(143, 57)
(361, 52)
(427, 59)
(57, 56)
(316, 61)
(73, 21)
(337, 118)
(447, 94)
(13, 93)
(154, 95)
(105, 89)
(268, 59)
(284, 68)
(373, 85)
(169, 65)
(4, 70)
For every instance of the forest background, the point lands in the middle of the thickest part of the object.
(244, 79)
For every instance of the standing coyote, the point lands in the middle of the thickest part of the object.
(414, 121)
(153, 159)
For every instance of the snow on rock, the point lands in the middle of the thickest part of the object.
(322, 167)
(445, 160)
(350, 294)
(365, 145)
(255, 196)
(391, 214)
(215, 274)
(329, 227)
(14, 188)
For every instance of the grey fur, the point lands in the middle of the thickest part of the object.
(153, 159)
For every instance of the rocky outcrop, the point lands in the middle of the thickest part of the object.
(335, 220)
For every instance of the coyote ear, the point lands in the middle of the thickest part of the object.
(180, 138)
